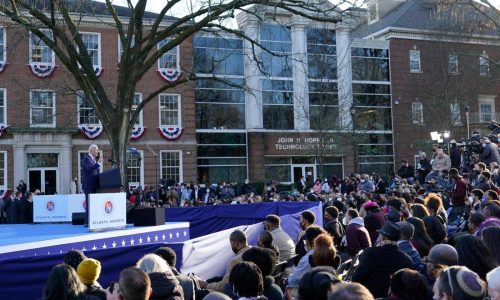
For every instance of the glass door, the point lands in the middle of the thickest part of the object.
(43, 179)
(307, 171)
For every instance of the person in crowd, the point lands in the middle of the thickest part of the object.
(436, 229)
(163, 282)
(281, 239)
(421, 240)
(301, 185)
(380, 185)
(440, 162)
(458, 195)
(89, 271)
(27, 208)
(247, 281)
(418, 210)
(406, 171)
(434, 204)
(22, 187)
(266, 260)
(491, 239)
(73, 258)
(134, 284)
(493, 279)
(63, 284)
(455, 155)
(365, 184)
(490, 152)
(473, 254)
(247, 188)
(357, 237)
(407, 284)
(492, 215)
(317, 283)
(17, 211)
(347, 186)
(475, 220)
(374, 219)
(239, 244)
(440, 257)
(305, 264)
(475, 198)
(187, 283)
(350, 291)
(377, 264)
(306, 219)
(324, 252)
(317, 186)
(265, 240)
(482, 181)
(325, 187)
(332, 224)
(394, 210)
(459, 283)
(423, 167)
(407, 230)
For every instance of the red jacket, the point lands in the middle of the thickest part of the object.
(357, 236)
(459, 192)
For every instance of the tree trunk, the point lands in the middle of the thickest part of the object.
(119, 137)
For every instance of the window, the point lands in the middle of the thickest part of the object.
(42, 108)
(277, 104)
(486, 109)
(137, 100)
(484, 65)
(217, 55)
(321, 53)
(417, 113)
(171, 165)
(415, 61)
(93, 41)
(370, 64)
(3, 103)
(169, 59)
(39, 51)
(170, 110)
(278, 39)
(3, 170)
(135, 169)
(323, 105)
(2, 45)
(120, 46)
(453, 64)
(372, 12)
(86, 113)
(455, 114)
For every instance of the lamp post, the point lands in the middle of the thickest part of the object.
(467, 112)
(352, 111)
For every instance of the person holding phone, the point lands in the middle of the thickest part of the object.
(90, 176)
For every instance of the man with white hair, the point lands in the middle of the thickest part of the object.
(90, 176)
(441, 162)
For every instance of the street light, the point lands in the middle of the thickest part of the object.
(352, 111)
(467, 112)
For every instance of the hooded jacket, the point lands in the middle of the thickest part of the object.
(357, 236)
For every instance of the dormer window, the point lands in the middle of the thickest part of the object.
(372, 12)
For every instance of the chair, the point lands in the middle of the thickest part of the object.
(293, 261)
(278, 271)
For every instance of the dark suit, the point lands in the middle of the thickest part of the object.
(27, 216)
(90, 180)
(376, 266)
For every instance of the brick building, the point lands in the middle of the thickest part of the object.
(356, 95)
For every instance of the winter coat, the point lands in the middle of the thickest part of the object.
(165, 287)
(357, 236)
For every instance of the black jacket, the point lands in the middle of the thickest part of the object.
(165, 287)
(336, 230)
(376, 266)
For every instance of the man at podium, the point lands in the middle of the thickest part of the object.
(90, 176)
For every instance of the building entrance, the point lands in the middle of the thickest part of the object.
(308, 171)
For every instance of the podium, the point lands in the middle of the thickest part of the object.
(110, 181)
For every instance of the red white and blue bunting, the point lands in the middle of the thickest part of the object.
(42, 70)
(2, 66)
(98, 71)
(169, 75)
(170, 133)
(137, 132)
(3, 129)
(91, 132)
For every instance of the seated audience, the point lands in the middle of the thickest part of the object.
(89, 271)
(316, 283)
(247, 281)
(459, 283)
(163, 282)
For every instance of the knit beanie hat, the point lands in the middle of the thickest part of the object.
(470, 283)
(89, 270)
(73, 258)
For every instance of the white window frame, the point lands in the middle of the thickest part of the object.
(99, 45)
(53, 109)
(3, 46)
(139, 121)
(42, 46)
(4, 185)
(179, 110)
(414, 56)
(417, 105)
(368, 7)
(484, 62)
(177, 49)
(4, 91)
(455, 114)
(120, 47)
(81, 94)
(141, 171)
(181, 169)
(486, 100)
(453, 64)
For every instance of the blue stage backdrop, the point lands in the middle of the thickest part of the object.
(209, 219)
(24, 278)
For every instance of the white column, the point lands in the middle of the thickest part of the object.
(300, 83)
(344, 75)
(251, 53)
(19, 164)
(65, 169)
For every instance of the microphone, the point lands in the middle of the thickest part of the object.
(112, 161)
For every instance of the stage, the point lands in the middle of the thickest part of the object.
(28, 240)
